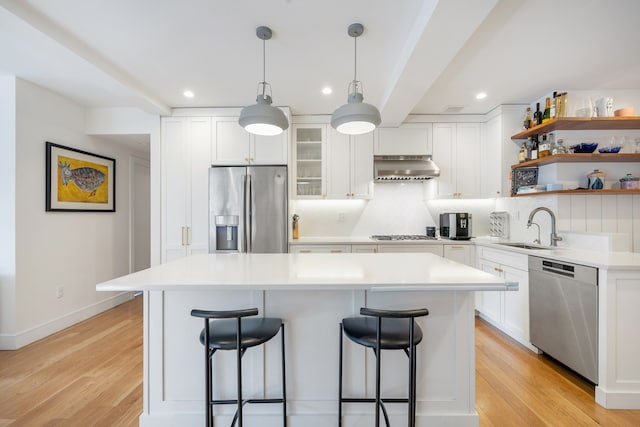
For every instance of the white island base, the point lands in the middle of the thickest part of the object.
(311, 293)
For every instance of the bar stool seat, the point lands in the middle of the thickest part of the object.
(384, 330)
(231, 330)
(394, 336)
(254, 332)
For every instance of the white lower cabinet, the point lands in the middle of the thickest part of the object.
(306, 249)
(364, 249)
(506, 310)
(459, 253)
(434, 249)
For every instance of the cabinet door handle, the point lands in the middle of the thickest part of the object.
(189, 242)
(499, 270)
(305, 251)
(456, 247)
(336, 251)
(184, 236)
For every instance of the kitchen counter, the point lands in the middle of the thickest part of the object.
(311, 293)
(349, 240)
(264, 272)
(599, 259)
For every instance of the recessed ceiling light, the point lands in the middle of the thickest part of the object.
(327, 90)
(481, 95)
(188, 94)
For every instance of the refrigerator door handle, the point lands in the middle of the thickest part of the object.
(244, 213)
(249, 215)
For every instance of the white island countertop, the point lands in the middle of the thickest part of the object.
(316, 271)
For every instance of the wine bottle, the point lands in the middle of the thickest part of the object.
(534, 147)
(537, 116)
(546, 116)
(527, 118)
(553, 112)
(543, 147)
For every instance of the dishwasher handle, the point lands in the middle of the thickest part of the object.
(559, 268)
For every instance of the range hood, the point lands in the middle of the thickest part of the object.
(404, 168)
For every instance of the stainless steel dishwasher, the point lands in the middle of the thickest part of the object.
(563, 313)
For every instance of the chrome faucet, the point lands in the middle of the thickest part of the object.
(554, 237)
(538, 239)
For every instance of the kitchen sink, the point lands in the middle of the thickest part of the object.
(524, 245)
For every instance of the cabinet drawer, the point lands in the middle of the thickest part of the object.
(511, 259)
(334, 249)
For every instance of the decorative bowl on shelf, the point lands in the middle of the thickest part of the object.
(610, 150)
(584, 147)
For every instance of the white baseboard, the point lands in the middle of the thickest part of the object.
(309, 420)
(14, 342)
(617, 400)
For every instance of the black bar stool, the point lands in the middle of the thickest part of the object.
(384, 330)
(231, 332)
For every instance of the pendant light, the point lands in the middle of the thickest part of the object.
(263, 118)
(355, 117)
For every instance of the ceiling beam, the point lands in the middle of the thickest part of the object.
(440, 30)
(147, 100)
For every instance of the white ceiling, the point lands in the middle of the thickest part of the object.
(416, 56)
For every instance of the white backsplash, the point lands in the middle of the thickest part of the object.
(614, 218)
(396, 208)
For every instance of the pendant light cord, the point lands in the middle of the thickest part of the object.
(355, 60)
(264, 68)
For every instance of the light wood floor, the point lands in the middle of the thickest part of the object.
(91, 375)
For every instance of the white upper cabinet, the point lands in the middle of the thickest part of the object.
(349, 165)
(186, 144)
(309, 154)
(456, 151)
(409, 139)
(498, 151)
(232, 145)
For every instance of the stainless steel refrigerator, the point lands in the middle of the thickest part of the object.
(248, 209)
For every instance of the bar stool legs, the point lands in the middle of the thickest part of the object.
(233, 333)
(398, 332)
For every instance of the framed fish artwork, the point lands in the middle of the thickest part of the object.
(79, 181)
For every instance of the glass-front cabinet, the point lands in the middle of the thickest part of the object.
(310, 154)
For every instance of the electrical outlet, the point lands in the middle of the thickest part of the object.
(341, 216)
(60, 292)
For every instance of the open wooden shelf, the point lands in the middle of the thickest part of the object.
(580, 158)
(581, 123)
(578, 191)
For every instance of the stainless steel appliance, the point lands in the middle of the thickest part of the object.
(563, 313)
(402, 237)
(248, 209)
(404, 168)
(455, 226)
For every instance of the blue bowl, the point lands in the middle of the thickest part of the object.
(610, 149)
(584, 147)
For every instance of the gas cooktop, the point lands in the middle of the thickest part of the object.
(402, 237)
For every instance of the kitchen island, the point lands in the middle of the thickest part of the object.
(312, 293)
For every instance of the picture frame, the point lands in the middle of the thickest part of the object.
(79, 181)
(523, 177)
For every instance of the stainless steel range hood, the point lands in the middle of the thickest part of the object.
(404, 168)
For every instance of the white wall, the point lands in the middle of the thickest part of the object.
(131, 121)
(75, 250)
(7, 207)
